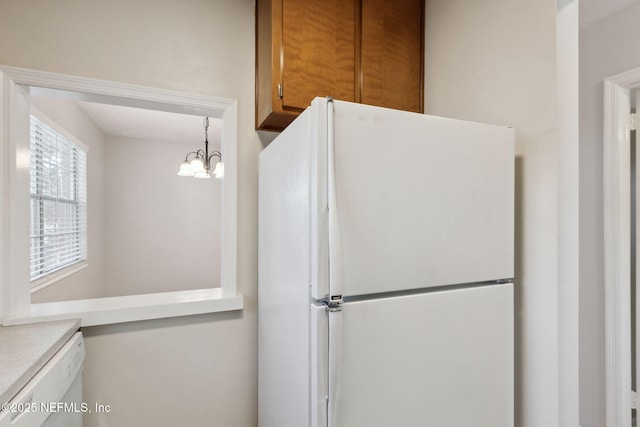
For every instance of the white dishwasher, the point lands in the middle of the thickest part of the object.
(53, 397)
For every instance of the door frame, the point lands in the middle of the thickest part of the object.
(617, 249)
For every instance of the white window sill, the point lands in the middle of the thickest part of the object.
(52, 278)
(131, 308)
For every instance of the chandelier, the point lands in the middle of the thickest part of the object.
(200, 164)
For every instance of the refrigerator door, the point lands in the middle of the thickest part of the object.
(433, 359)
(415, 201)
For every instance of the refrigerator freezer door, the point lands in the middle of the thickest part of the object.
(421, 201)
(435, 359)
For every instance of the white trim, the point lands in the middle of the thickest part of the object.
(14, 185)
(14, 294)
(568, 244)
(230, 201)
(131, 308)
(617, 230)
(119, 93)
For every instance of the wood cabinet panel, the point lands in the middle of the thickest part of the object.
(318, 51)
(367, 51)
(392, 54)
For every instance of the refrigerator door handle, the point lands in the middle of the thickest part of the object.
(334, 301)
(335, 246)
(335, 354)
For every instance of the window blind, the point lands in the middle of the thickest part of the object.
(58, 188)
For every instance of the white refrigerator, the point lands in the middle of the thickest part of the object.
(385, 265)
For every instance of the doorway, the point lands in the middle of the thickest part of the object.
(620, 248)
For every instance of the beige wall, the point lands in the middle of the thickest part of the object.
(162, 231)
(493, 61)
(199, 370)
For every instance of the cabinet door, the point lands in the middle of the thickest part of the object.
(318, 51)
(392, 54)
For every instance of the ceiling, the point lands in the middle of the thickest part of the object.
(594, 10)
(137, 123)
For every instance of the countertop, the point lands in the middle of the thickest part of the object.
(25, 349)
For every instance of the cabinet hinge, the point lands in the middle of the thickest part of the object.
(634, 400)
(280, 90)
(632, 121)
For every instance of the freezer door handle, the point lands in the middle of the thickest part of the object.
(335, 355)
(335, 245)
(334, 301)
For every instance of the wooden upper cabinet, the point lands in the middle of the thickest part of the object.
(392, 54)
(318, 51)
(367, 51)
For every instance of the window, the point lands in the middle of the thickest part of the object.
(58, 193)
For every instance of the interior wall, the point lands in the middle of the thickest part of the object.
(88, 282)
(197, 370)
(494, 61)
(607, 47)
(162, 231)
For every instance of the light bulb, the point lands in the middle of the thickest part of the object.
(197, 166)
(185, 169)
(218, 172)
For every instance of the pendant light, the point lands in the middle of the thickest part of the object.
(200, 164)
